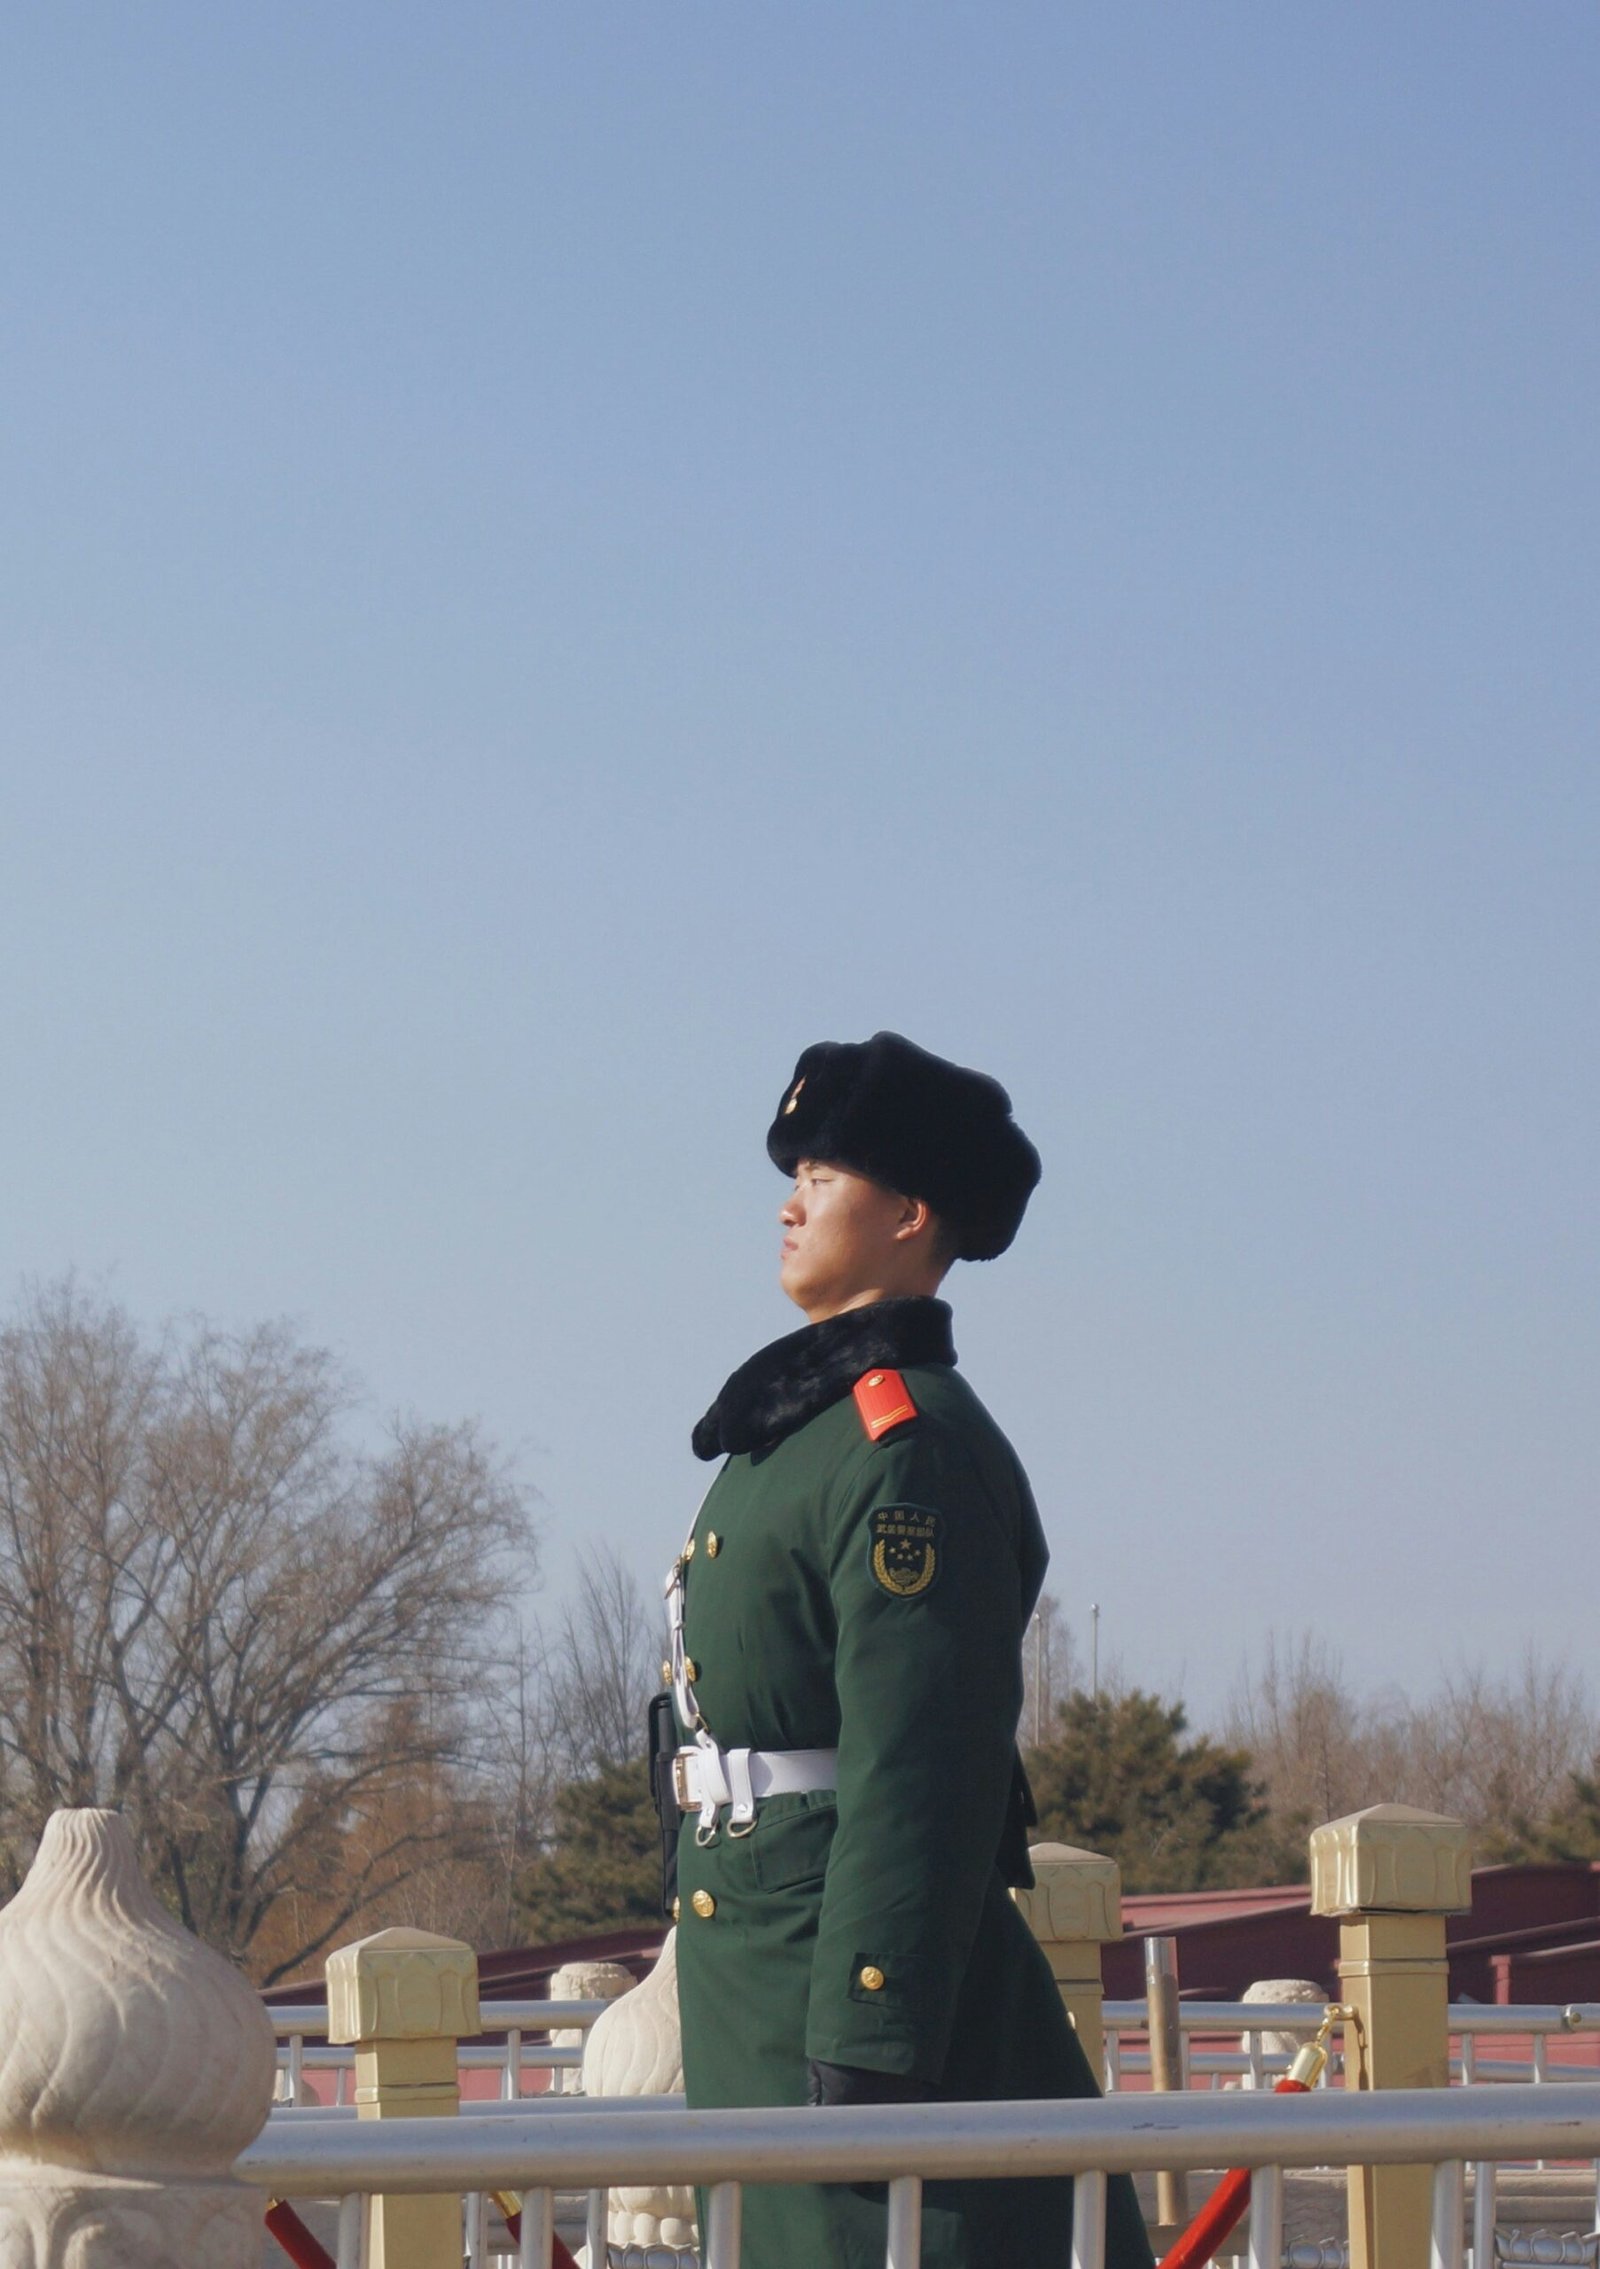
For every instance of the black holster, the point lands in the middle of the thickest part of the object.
(663, 1748)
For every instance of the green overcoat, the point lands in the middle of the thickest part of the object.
(871, 1595)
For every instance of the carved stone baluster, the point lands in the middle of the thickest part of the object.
(1267, 2047)
(636, 2049)
(135, 2065)
(582, 1981)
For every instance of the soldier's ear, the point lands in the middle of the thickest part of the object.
(915, 1219)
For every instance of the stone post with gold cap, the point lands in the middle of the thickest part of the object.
(405, 1997)
(1075, 1908)
(1391, 1874)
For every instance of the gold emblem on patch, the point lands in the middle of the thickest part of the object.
(905, 1549)
(794, 1097)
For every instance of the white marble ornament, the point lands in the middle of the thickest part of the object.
(636, 2049)
(582, 1981)
(135, 2065)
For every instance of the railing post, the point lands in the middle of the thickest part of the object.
(1166, 2064)
(1075, 1908)
(404, 1998)
(1391, 1874)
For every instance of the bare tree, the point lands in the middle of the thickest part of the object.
(1049, 1671)
(266, 1648)
(601, 1667)
(1303, 1728)
(524, 1771)
(1498, 1754)
(596, 1856)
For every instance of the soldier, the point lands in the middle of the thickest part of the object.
(847, 1618)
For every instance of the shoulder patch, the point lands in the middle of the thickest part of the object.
(904, 1546)
(883, 1400)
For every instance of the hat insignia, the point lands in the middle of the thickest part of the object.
(794, 1096)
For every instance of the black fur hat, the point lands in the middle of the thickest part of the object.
(922, 1126)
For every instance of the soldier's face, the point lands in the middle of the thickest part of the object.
(844, 1240)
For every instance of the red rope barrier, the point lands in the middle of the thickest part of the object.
(1232, 2194)
(297, 2241)
(1221, 2210)
(306, 2253)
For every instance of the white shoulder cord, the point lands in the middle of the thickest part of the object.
(708, 1776)
(687, 1707)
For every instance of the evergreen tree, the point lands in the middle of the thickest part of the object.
(1119, 1778)
(603, 1868)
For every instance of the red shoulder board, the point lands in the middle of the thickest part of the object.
(884, 1400)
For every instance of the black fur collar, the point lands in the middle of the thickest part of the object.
(784, 1385)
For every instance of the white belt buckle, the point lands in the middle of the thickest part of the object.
(680, 1780)
(705, 1777)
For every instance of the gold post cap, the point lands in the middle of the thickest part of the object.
(1391, 1859)
(1076, 1894)
(403, 1985)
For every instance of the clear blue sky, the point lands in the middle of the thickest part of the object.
(555, 554)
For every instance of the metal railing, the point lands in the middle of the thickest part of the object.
(527, 2049)
(1205, 2063)
(296, 2025)
(907, 2145)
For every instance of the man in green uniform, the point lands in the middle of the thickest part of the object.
(847, 1618)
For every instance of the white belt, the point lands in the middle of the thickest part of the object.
(704, 1777)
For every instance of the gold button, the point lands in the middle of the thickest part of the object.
(691, 1670)
(872, 1979)
(666, 1674)
(677, 1909)
(688, 1550)
(713, 1545)
(704, 1905)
